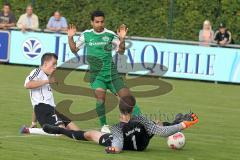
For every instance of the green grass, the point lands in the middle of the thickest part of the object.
(215, 137)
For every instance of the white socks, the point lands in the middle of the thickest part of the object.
(40, 131)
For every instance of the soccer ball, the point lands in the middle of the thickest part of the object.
(176, 141)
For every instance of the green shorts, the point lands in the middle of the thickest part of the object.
(114, 85)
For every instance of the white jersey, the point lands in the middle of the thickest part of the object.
(42, 94)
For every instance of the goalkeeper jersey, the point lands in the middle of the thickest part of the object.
(136, 134)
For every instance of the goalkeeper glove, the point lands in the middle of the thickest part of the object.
(194, 120)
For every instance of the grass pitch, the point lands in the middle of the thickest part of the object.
(216, 137)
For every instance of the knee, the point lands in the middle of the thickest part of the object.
(124, 92)
(100, 96)
(87, 135)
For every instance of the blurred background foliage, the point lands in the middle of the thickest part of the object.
(172, 19)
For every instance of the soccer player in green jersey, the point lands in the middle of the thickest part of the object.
(99, 43)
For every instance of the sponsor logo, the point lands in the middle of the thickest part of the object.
(32, 48)
(105, 38)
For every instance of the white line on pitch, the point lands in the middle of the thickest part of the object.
(23, 136)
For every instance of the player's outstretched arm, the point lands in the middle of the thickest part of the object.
(165, 131)
(38, 83)
(187, 124)
(122, 32)
(117, 141)
(71, 32)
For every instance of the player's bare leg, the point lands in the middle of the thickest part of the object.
(72, 126)
(93, 135)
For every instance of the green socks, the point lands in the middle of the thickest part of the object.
(100, 108)
(136, 110)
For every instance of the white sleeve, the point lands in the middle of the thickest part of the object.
(34, 75)
(80, 42)
(116, 43)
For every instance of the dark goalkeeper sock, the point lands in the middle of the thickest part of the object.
(78, 135)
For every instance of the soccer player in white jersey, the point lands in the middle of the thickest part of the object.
(38, 82)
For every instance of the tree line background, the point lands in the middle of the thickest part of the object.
(172, 19)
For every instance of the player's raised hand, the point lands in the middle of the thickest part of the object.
(71, 30)
(122, 31)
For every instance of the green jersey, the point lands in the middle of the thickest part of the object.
(99, 47)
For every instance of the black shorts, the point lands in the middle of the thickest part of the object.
(106, 140)
(47, 114)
